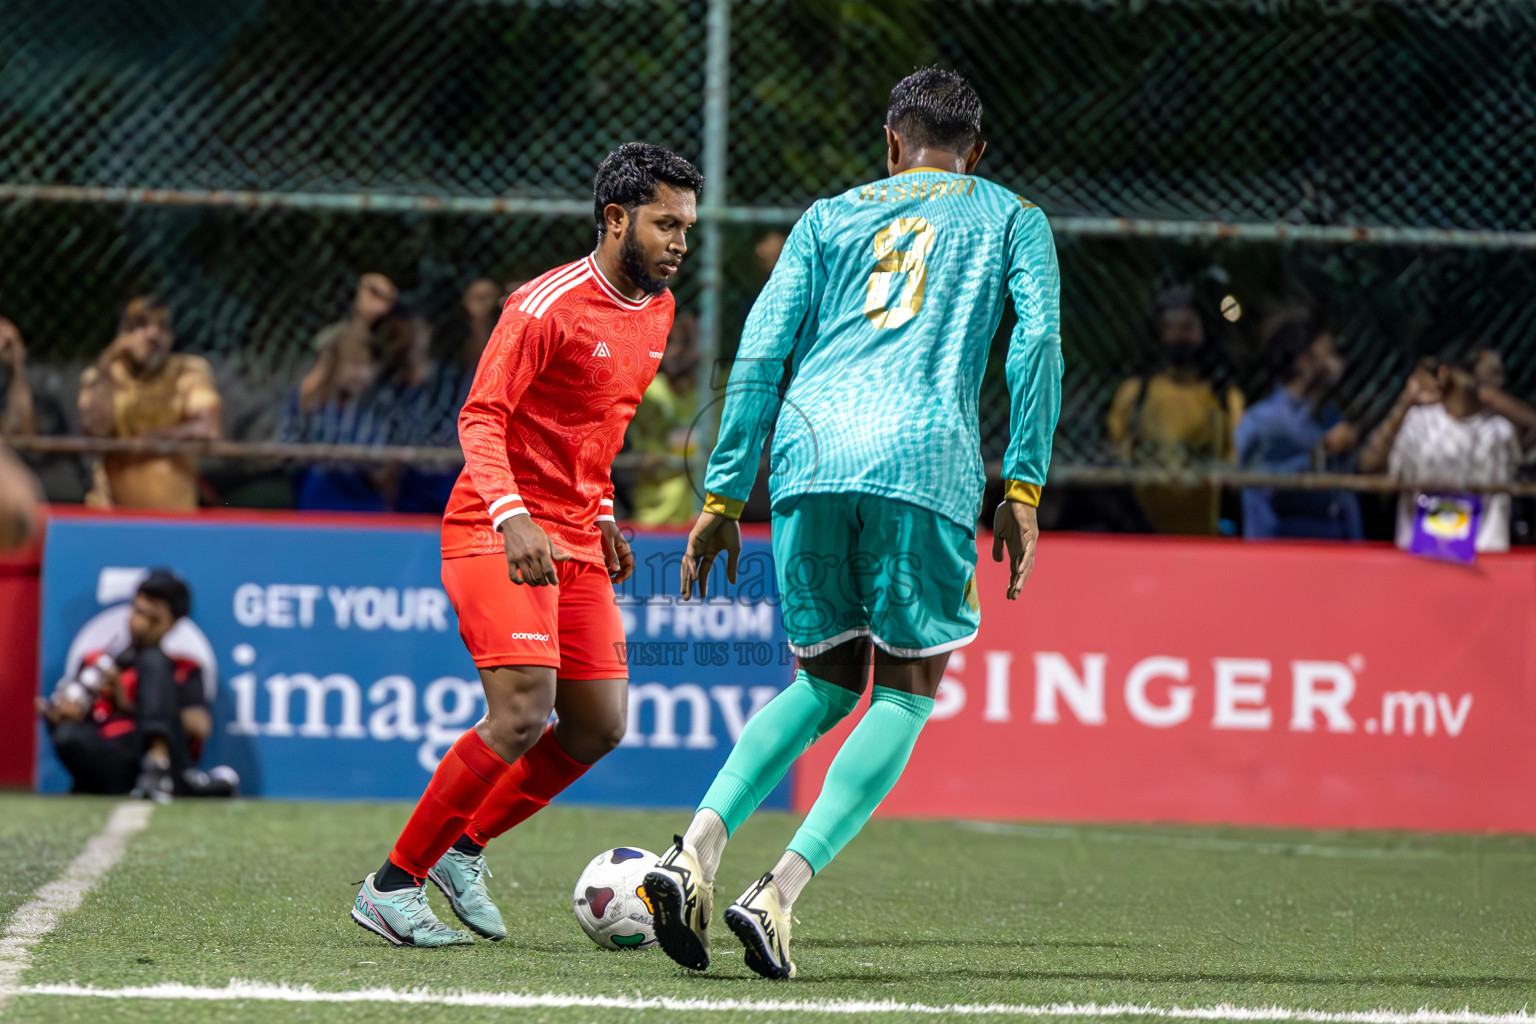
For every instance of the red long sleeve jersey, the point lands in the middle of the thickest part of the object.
(555, 389)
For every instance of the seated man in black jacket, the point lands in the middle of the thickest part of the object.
(135, 721)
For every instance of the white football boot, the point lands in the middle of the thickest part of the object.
(762, 925)
(681, 901)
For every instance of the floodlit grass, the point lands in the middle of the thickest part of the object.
(38, 839)
(935, 913)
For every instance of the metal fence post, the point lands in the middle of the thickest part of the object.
(717, 79)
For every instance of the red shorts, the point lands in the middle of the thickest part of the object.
(574, 627)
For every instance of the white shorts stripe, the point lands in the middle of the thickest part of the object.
(823, 646)
(939, 648)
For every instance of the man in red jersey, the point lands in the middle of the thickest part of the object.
(530, 547)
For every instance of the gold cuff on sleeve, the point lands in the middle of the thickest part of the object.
(1018, 490)
(723, 506)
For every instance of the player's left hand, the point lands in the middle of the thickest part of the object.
(621, 561)
(1015, 526)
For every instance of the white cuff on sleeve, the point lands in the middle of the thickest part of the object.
(606, 519)
(491, 510)
(508, 514)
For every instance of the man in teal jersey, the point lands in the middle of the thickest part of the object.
(884, 304)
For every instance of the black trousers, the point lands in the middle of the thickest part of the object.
(110, 765)
(107, 766)
(158, 703)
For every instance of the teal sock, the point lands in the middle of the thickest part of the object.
(771, 741)
(862, 774)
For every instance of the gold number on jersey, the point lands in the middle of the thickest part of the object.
(890, 261)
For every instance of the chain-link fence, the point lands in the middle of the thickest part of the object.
(249, 159)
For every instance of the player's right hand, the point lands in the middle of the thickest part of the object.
(531, 555)
(711, 534)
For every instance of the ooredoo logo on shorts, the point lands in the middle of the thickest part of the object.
(531, 636)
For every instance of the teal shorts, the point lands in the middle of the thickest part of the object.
(852, 565)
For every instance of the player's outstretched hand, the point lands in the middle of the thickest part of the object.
(711, 535)
(1015, 527)
(621, 561)
(531, 555)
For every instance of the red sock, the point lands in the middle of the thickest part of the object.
(535, 780)
(465, 775)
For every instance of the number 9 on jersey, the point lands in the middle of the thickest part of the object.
(891, 261)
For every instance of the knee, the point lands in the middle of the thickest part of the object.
(511, 734)
(69, 741)
(589, 739)
(604, 736)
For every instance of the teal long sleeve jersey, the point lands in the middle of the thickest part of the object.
(884, 303)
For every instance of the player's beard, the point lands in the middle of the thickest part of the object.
(632, 260)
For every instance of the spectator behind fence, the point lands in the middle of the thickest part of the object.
(1488, 372)
(417, 403)
(1297, 428)
(1173, 418)
(1444, 429)
(135, 716)
(19, 496)
(479, 308)
(139, 388)
(435, 420)
(333, 407)
(372, 301)
(663, 426)
(17, 414)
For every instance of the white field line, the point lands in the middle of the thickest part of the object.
(256, 991)
(1194, 842)
(41, 914)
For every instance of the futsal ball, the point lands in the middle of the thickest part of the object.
(611, 904)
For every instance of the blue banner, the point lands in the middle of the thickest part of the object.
(337, 668)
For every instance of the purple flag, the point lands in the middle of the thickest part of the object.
(1445, 527)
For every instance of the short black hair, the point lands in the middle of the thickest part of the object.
(629, 176)
(165, 586)
(1292, 340)
(1459, 355)
(937, 108)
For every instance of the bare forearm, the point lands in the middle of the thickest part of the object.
(96, 410)
(1508, 406)
(19, 416)
(200, 426)
(1378, 450)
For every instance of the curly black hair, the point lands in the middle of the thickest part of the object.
(629, 176)
(935, 108)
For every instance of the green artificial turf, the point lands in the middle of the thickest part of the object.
(926, 912)
(38, 838)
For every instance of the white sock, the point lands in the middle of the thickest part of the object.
(790, 875)
(706, 838)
